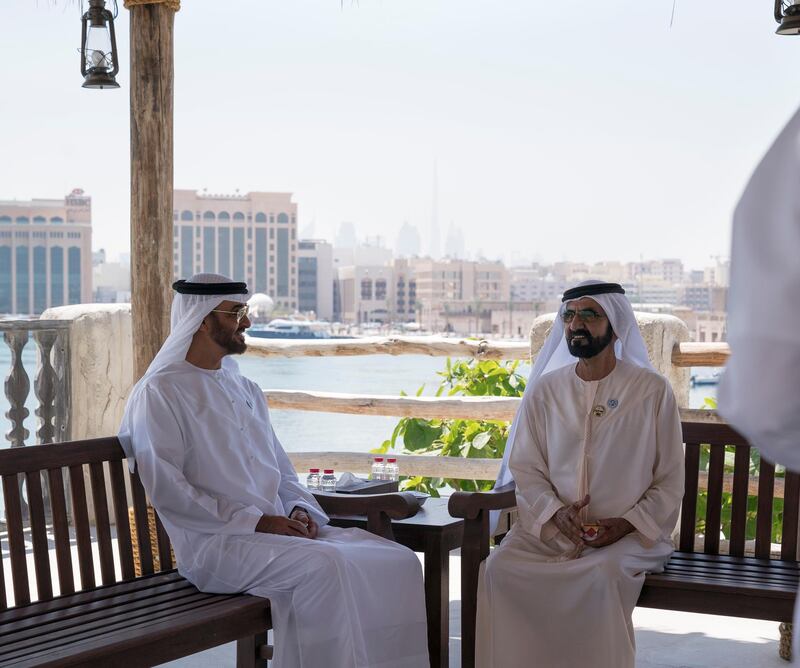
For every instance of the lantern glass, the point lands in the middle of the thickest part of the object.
(97, 52)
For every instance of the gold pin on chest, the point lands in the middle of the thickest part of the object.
(599, 410)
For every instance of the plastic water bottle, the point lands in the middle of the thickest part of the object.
(378, 469)
(328, 481)
(392, 470)
(313, 481)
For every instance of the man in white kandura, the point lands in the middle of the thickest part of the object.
(596, 454)
(200, 435)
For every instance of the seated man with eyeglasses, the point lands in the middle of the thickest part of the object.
(596, 454)
(199, 434)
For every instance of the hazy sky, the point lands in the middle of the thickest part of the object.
(561, 130)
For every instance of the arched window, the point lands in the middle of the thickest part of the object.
(56, 276)
(238, 216)
(223, 215)
(283, 218)
(56, 220)
(39, 220)
(187, 215)
(74, 275)
(261, 218)
(5, 278)
(5, 220)
(23, 220)
(380, 289)
(208, 215)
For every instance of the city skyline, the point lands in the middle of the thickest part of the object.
(553, 139)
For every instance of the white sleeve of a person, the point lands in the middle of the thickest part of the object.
(760, 392)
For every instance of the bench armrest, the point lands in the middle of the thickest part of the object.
(468, 505)
(380, 509)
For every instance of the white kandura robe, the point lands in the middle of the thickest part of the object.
(536, 605)
(212, 465)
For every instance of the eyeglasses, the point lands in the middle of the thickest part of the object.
(240, 312)
(586, 314)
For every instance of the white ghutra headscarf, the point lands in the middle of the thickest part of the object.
(555, 354)
(186, 316)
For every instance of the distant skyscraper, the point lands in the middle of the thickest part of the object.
(454, 246)
(346, 236)
(250, 237)
(45, 253)
(408, 242)
(435, 247)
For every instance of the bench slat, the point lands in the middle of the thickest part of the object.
(80, 519)
(58, 505)
(716, 464)
(689, 506)
(16, 539)
(69, 622)
(18, 615)
(102, 525)
(741, 480)
(142, 526)
(159, 611)
(766, 486)
(41, 556)
(791, 499)
(156, 642)
(164, 548)
(120, 497)
(38, 457)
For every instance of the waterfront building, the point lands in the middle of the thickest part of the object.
(446, 287)
(405, 291)
(315, 278)
(250, 237)
(45, 253)
(364, 294)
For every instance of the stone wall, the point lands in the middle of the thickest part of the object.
(660, 333)
(101, 365)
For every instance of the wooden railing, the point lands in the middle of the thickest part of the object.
(476, 408)
(684, 354)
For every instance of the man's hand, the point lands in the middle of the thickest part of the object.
(611, 530)
(304, 518)
(283, 526)
(566, 519)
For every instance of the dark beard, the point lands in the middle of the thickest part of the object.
(225, 340)
(593, 346)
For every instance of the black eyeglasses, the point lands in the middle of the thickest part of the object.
(240, 312)
(585, 314)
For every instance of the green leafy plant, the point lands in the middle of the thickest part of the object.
(459, 438)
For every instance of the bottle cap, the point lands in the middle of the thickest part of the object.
(378, 459)
(327, 471)
(313, 470)
(392, 460)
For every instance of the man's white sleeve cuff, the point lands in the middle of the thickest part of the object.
(244, 521)
(318, 516)
(649, 531)
(543, 528)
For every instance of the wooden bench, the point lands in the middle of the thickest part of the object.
(112, 616)
(707, 576)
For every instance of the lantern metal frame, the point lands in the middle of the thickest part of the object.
(97, 16)
(787, 14)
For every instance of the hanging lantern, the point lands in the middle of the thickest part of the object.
(787, 14)
(99, 64)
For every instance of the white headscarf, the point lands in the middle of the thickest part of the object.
(186, 316)
(555, 354)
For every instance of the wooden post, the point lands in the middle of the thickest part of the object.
(151, 37)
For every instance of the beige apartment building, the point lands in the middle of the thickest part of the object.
(250, 237)
(45, 253)
(454, 293)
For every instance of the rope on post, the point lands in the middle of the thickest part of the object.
(174, 5)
